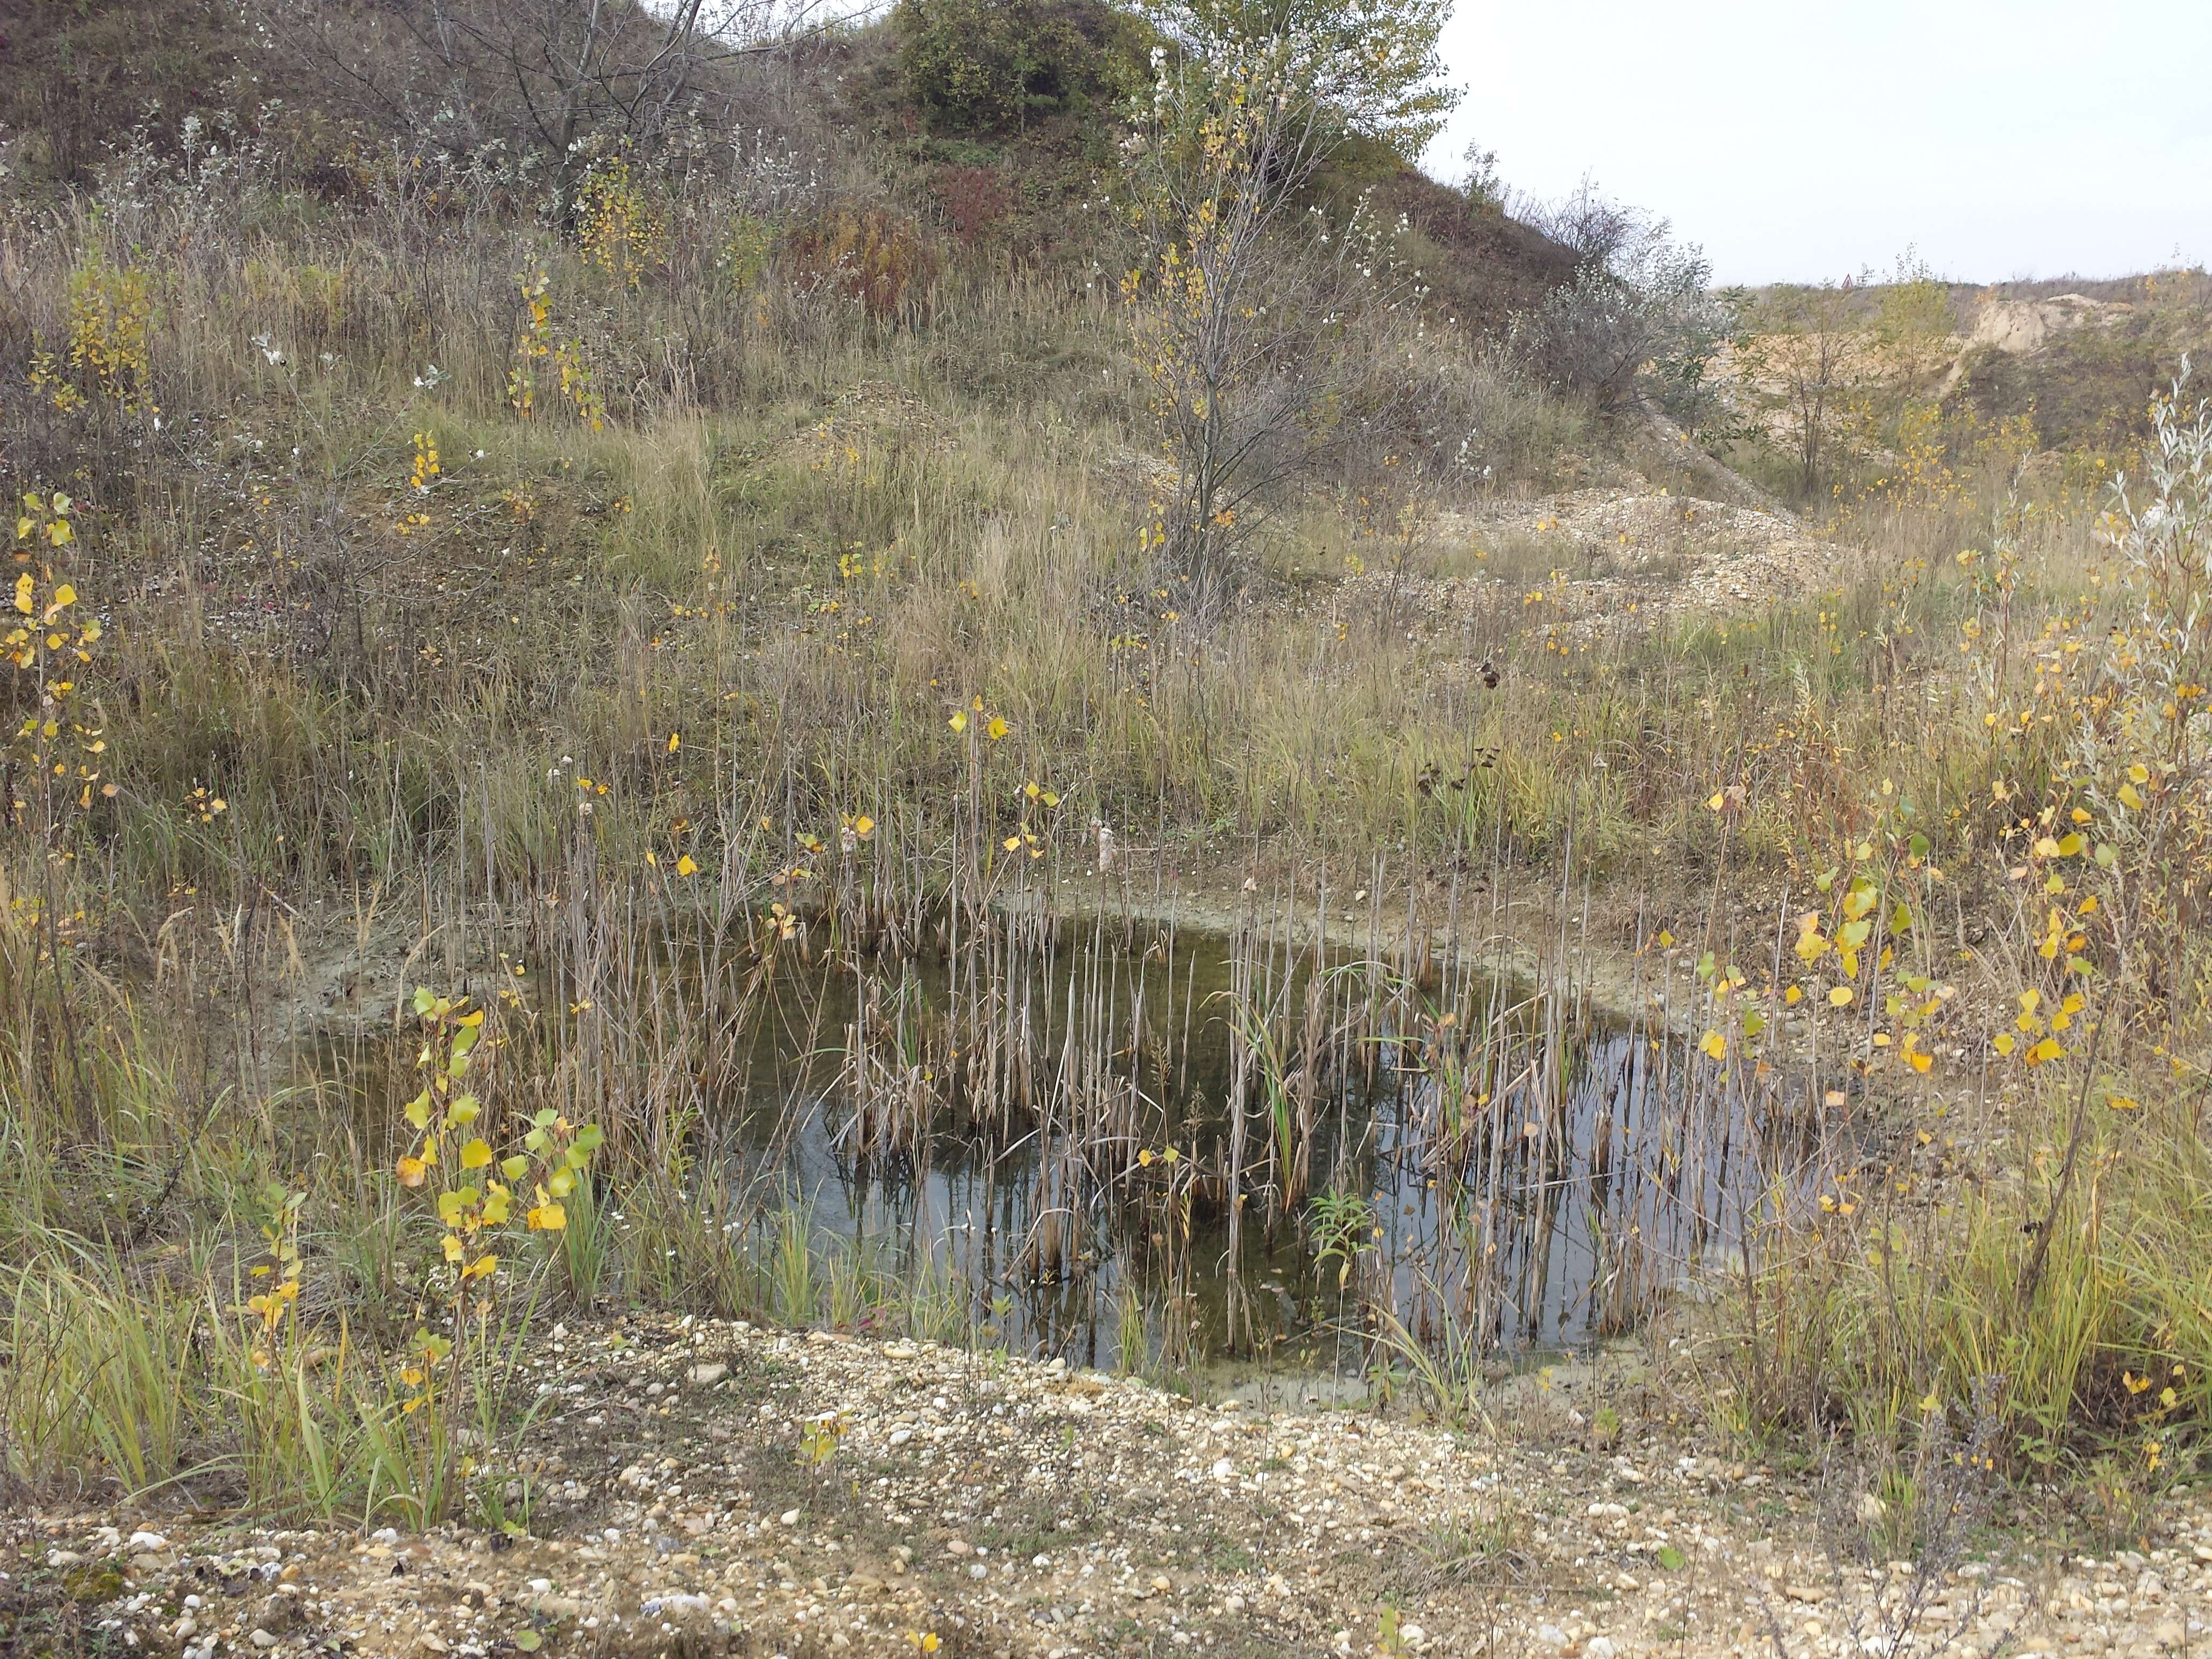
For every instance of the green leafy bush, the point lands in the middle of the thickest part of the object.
(985, 65)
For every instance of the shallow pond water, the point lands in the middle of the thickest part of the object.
(1494, 1169)
(1129, 1144)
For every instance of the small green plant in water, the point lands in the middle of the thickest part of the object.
(1339, 1223)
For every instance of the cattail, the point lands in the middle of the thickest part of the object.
(1105, 847)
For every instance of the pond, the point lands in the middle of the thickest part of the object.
(1241, 1146)
(1132, 1143)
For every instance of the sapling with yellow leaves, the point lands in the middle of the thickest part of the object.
(482, 1199)
(620, 223)
(536, 342)
(1245, 309)
(56, 751)
(111, 327)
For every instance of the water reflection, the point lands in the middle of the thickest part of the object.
(1494, 1162)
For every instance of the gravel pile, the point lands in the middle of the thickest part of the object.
(1689, 553)
(705, 1486)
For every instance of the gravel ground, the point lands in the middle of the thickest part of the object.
(1592, 561)
(1007, 1508)
(1691, 554)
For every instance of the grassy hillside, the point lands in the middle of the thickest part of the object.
(617, 589)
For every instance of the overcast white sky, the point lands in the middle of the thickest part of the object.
(1802, 139)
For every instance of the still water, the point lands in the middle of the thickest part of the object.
(1480, 1161)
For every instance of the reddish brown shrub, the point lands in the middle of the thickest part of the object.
(866, 254)
(975, 198)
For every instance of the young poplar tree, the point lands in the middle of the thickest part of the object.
(1247, 301)
(1369, 68)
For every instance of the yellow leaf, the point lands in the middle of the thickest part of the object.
(2130, 798)
(2045, 1050)
(685, 867)
(548, 1218)
(674, 741)
(64, 595)
(998, 728)
(1718, 800)
(411, 1172)
(863, 825)
(959, 721)
(1793, 996)
(1840, 997)
(24, 588)
(1715, 1045)
(476, 1154)
(2004, 1044)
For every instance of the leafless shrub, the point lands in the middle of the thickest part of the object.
(1600, 230)
(1920, 1522)
(1639, 323)
(534, 76)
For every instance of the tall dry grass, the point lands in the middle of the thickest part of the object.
(579, 711)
